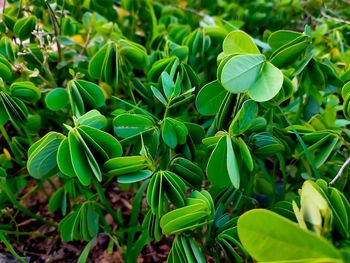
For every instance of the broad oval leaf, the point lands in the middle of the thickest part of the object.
(92, 119)
(129, 125)
(282, 37)
(210, 98)
(240, 72)
(239, 42)
(244, 118)
(284, 241)
(287, 55)
(268, 83)
(222, 168)
(24, 26)
(25, 90)
(42, 155)
(57, 99)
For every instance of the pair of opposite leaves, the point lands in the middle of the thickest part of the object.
(243, 69)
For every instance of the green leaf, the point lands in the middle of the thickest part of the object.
(91, 160)
(240, 72)
(244, 118)
(57, 99)
(168, 85)
(25, 90)
(14, 108)
(324, 153)
(266, 144)
(104, 65)
(91, 93)
(85, 253)
(231, 164)
(268, 83)
(174, 188)
(239, 42)
(188, 217)
(100, 141)
(125, 165)
(6, 71)
(10, 248)
(134, 53)
(42, 155)
(134, 177)
(222, 168)
(210, 97)
(287, 54)
(24, 26)
(80, 224)
(159, 95)
(130, 125)
(283, 240)
(173, 132)
(79, 161)
(188, 171)
(282, 37)
(57, 200)
(64, 159)
(93, 119)
(245, 153)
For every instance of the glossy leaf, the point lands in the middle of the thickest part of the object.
(25, 90)
(240, 72)
(210, 97)
(239, 42)
(57, 99)
(42, 155)
(280, 236)
(24, 26)
(268, 83)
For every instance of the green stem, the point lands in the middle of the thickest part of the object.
(103, 199)
(20, 207)
(21, 233)
(300, 109)
(284, 174)
(61, 17)
(5, 134)
(19, 9)
(300, 140)
(10, 248)
(3, 7)
(55, 29)
(46, 69)
(8, 140)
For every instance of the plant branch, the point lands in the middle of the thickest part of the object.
(10, 195)
(341, 170)
(104, 201)
(336, 19)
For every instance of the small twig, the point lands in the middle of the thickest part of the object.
(193, 11)
(3, 7)
(19, 9)
(340, 20)
(87, 39)
(341, 170)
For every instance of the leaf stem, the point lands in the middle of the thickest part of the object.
(55, 25)
(8, 140)
(306, 150)
(103, 199)
(10, 195)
